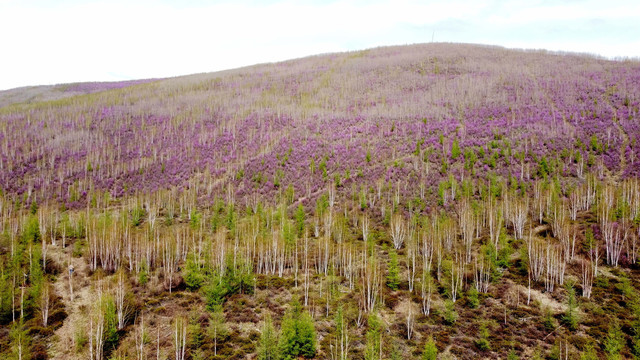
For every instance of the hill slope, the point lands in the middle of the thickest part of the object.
(382, 101)
(456, 192)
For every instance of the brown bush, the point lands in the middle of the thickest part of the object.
(39, 352)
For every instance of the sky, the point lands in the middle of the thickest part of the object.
(47, 42)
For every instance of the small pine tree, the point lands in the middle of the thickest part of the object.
(374, 333)
(512, 355)
(614, 343)
(483, 341)
(472, 298)
(193, 278)
(20, 341)
(571, 317)
(548, 321)
(455, 149)
(268, 347)
(396, 354)
(297, 334)
(450, 314)
(111, 335)
(300, 216)
(430, 350)
(217, 327)
(589, 353)
(393, 277)
(215, 292)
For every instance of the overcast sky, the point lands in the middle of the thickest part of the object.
(49, 42)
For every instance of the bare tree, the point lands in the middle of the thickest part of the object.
(398, 230)
(426, 286)
(519, 217)
(588, 274)
(412, 259)
(495, 222)
(456, 275)
(536, 252)
(180, 338)
(365, 228)
(96, 331)
(467, 224)
(555, 267)
(482, 276)
(371, 282)
(45, 302)
(140, 339)
(123, 309)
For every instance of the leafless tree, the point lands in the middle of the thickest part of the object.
(398, 230)
(123, 309)
(426, 286)
(45, 303)
(180, 338)
(588, 274)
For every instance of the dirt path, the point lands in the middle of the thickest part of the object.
(64, 345)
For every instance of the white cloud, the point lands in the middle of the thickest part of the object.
(44, 43)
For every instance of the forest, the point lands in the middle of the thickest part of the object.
(429, 201)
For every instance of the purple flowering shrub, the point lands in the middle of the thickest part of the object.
(407, 117)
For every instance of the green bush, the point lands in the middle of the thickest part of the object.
(589, 353)
(268, 346)
(111, 336)
(430, 350)
(548, 321)
(455, 149)
(614, 343)
(393, 276)
(512, 355)
(236, 279)
(81, 339)
(143, 275)
(450, 314)
(20, 341)
(571, 316)
(483, 338)
(193, 278)
(372, 350)
(472, 298)
(297, 334)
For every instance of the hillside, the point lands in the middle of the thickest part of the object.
(473, 201)
(34, 94)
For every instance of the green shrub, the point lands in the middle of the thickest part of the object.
(430, 350)
(236, 279)
(193, 277)
(143, 275)
(137, 214)
(472, 298)
(81, 340)
(589, 353)
(111, 336)
(393, 276)
(548, 321)
(268, 345)
(217, 329)
(20, 341)
(571, 316)
(483, 338)
(455, 149)
(297, 334)
(372, 350)
(450, 314)
(614, 343)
